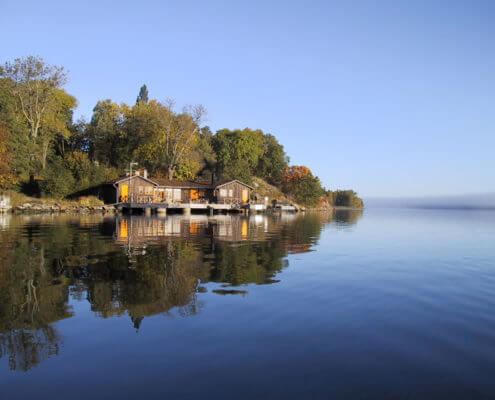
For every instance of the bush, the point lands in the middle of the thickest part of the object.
(89, 201)
(57, 180)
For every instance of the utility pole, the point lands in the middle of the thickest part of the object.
(131, 163)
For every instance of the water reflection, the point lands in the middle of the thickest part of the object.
(134, 266)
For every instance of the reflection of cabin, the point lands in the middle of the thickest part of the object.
(140, 189)
(139, 230)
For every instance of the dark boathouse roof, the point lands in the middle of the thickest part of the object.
(174, 183)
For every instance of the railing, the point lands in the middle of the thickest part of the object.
(146, 199)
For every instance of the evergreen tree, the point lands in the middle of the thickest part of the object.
(143, 95)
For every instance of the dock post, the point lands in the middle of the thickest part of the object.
(147, 211)
(186, 211)
(162, 211)
(210, 211)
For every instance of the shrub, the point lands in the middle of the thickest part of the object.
(89, 201)
(57, 180)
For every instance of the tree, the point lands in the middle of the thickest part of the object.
(299, 182)
(344, 198)
(106, 135)
(33, 83)
(20, 147)
(56, 121)
(272, 165)
(143, 95)
(167, 138)
(7, 176)
(238, 153)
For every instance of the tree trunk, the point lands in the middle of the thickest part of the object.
(171, 171)
(44, 154)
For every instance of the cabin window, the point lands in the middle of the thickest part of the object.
(148, 189)
(194, 194)
(223, 192)
(177, 196)
(231, 193)
(140, 190)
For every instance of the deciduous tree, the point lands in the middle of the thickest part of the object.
(32, 82)
(300, 183)
(238, 153)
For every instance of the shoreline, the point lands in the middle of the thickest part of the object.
(34, 209)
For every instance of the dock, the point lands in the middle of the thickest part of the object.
(186, 208)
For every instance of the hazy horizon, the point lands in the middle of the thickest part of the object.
(464, 201)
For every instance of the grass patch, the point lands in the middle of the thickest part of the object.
(18, 199)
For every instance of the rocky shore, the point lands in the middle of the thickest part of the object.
(61, 208)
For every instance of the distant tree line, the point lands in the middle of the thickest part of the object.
(43, 151)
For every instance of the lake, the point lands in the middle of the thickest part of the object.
(380, 304)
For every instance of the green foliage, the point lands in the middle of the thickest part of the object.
(273, 163)
(306, 191)
(299, 183)
(57, 180)
(87, 173)
(7, 176)
(344, 198)
(143, 95)
(106, 140)
(77, 172)
(243, 154)
(238, 153)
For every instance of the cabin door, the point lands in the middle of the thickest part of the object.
(124, 193)
(245, 195)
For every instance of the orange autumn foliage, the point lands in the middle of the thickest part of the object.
(295, 173)
(7, 177)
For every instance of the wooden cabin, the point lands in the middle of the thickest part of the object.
(141, 189)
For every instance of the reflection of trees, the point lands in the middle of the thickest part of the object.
(31, 298)
(302, 233)
(347, 217)
(157, 281)
(251, 262)
(44, 261)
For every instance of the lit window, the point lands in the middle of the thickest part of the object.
(223, 192)
(231, 193)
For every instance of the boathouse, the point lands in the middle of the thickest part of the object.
(139, 189)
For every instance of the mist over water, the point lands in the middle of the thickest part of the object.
(376, 304)
(484, 201)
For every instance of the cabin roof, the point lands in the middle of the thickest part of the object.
(180, 184)
(225, 182)
(126, 178)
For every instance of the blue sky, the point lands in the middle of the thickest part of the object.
(390, 98)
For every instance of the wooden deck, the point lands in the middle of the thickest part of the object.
(187, 208)
(193, 206)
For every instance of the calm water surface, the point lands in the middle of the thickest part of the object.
(389, 304)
